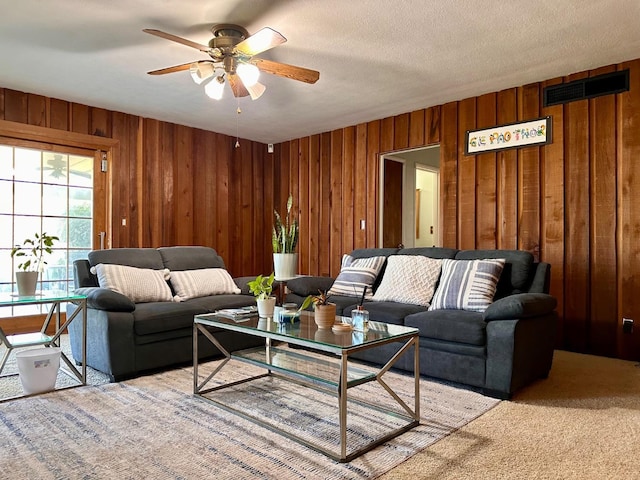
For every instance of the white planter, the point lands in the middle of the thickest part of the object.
(266, 306)
(27, 283)
(285, 265)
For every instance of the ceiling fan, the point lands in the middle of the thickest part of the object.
(232, 51)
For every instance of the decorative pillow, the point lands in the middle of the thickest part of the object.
(409, 279)
(201, 283)
(355, 275)
(138, 284)
(467, 284)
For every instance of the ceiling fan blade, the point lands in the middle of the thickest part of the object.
(289, 71)
(176, 68)
(237, 86)
(260, 41)
(175, 38)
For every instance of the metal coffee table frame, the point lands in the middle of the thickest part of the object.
(263, 357)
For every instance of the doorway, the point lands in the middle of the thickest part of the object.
(410, 199)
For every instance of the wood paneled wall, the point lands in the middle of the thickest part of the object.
(571, 203)
(172, 185)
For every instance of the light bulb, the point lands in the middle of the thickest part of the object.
(256, 90)
(248, 73)
(215, 88)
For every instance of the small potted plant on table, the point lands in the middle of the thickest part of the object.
(262, 287)
(324, 311)
(31, 255)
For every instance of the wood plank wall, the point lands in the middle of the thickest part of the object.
(571, 203)
(173, 185)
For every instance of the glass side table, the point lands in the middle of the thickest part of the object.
(20, 340)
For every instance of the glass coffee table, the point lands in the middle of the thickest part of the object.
(327, 373)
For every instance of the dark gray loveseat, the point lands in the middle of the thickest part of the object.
(501, 350)
(126, 339)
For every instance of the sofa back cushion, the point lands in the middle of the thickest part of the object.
(516, 273)
(190, 258)
(132, 257)
(431, 252)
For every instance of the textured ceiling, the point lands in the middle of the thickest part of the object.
(376, 58)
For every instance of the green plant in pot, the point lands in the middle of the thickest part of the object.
(31, 255)
(262, 287)
(284, 238)
(324, 311)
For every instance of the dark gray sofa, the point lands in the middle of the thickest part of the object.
(126, 339)
(499, 351)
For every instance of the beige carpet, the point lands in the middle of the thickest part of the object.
(583, 422)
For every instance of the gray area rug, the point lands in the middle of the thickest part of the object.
(153, 427)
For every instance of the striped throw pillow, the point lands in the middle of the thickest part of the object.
(356, 274)
(467, 284)
(138, 284)
(201, 283)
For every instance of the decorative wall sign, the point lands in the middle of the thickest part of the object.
(513, 135)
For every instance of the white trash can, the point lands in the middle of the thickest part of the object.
(38, 369)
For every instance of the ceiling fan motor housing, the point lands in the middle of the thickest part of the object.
(225, 37)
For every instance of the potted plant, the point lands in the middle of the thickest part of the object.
(31, 255)
(324, 311)
(262, 287)
(284, 238)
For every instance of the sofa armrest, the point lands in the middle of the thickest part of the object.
(520, 305)
(309, 285)
(243, 284)
(105, 299)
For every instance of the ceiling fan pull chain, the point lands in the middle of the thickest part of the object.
(238, 112)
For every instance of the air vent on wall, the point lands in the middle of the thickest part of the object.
(606, 84)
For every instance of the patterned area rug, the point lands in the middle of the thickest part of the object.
(153, 427)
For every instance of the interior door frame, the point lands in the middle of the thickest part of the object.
(408, 200)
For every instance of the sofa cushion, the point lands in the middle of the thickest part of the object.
(138, 284)
(409, 279)
(357, 275)
(217, 302)
(459, 326)
(190, 258)
(202, 282)
(467, 284)
(517, 269)
(133, 257)
(390, 312)
(154, 317)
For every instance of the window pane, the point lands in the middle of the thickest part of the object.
(80, 233)
(25, 227)
(28, 164)
(27, 198)
(6, 241)
(58, 228)
(81, 171)
(54, 168)
(80, 202)
(6, 162)
(6, 271)
(6, 196)
(54, 200)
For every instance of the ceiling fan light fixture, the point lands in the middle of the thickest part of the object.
(248, 73)
(215, 88)
(256, 90)
(200, 71)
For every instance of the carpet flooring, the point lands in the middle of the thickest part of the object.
(154, 427)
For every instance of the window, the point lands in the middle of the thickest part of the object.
(45, 190)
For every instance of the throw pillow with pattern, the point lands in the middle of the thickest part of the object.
(409, 279)
(201, 283)
(356, 275)
(467, 284)
(138, 284)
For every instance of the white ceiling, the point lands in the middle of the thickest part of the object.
(376, 58)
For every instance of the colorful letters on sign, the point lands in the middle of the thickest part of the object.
(509, 136)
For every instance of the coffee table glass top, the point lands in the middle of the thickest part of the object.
(41, 297)
(306, 329)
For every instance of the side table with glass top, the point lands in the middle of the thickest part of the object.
(21, 340)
